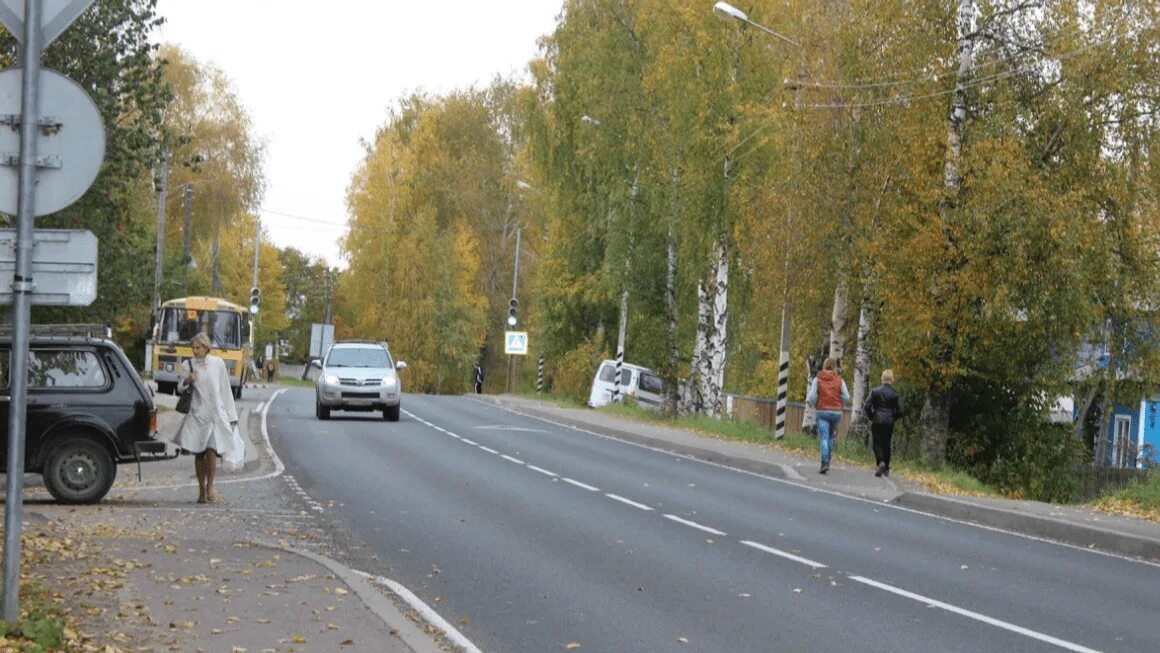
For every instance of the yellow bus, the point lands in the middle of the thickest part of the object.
(228, 326)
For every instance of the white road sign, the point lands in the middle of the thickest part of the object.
(55, 16)
(516, 343)
(64, 266)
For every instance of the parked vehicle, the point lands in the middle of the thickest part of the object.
(87, 411)
(358, 375)
(638, 382)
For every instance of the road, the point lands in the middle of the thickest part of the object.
(530, 537)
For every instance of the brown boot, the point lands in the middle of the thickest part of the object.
(210, 464)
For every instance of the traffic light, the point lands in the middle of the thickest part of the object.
(255, 299)
(512, 319)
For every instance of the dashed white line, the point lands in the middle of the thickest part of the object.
(488, 449)
(469, 441)
(697, 526)
(630, 502)
(578, 484)
(542, 471)
(785, 554)
(976, 616)
(512, 460)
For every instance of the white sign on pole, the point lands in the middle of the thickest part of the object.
(321, 338)
(70, 143)
(55, 16)
(64, 266)
(515, 343)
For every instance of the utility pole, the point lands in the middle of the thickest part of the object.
(515, 285)
(160, 249)
(187, 224)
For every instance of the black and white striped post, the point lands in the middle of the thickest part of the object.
(782, 375)
(616, 380)
(540, 375)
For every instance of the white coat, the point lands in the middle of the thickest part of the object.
(207, 424)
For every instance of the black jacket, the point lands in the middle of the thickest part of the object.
(883, 406)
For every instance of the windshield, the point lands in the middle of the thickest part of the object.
(359, 357)
(179, 326)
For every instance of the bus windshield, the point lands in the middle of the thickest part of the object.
(180, 325)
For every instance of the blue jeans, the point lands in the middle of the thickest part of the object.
(828, 421)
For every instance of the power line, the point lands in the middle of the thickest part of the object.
(303, 218)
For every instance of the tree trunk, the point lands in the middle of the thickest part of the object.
(934, 422)
(671, 389)
(865, 350)
(838, 320)
(718, 333)
(693, 396)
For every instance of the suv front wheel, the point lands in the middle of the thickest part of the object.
(79, 470)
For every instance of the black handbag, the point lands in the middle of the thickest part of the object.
(185, 399)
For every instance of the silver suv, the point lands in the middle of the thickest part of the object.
(358, 375)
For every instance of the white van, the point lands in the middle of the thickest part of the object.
(635, 381)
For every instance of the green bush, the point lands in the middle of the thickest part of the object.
(572, 375)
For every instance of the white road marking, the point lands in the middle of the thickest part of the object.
(581, 485)
(510, 459)
(428, 614)
(694, 524)
(630, 502)
(542, 471)
(488, 449)
(471, 442)
(976, 616)
(784, 554)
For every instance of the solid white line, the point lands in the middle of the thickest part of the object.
(785, 554)
(488, 449)
(694, 524)
(581, 485)
(514, 460)
(542, 471)
(616, 497)
(976, 616)
(429, 615)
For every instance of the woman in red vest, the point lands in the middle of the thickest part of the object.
(829, 395)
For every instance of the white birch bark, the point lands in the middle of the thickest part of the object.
(719, 333)
(863, 353)
(693, 394)
(838, 319)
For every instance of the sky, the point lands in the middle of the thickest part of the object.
(319, 78)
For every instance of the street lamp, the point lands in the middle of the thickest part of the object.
(728, 12)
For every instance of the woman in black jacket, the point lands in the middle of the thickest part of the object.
(883, 407)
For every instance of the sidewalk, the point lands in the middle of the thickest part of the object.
(158, 572)
(1075, 525)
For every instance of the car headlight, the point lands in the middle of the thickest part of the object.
(330, 379)
(389, 381)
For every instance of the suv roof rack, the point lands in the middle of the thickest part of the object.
(362, 341)
(90, 331)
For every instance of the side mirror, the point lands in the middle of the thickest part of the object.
(400, 365)
(315, 363)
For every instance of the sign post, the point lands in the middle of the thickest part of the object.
(38, 28)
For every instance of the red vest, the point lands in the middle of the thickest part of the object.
(829, 390)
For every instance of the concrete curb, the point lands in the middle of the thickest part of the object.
(1035, 525)
(363, 587)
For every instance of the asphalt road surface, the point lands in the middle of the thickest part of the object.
(530, 537)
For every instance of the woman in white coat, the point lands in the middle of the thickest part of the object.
(207, 430)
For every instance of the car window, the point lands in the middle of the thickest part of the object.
(607, 373)
(650, 382)
(359, 357)
(625, 376)
(54, 369)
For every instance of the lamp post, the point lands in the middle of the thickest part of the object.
(729, 12)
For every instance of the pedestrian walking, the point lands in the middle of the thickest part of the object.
(207, 429)
(479, 379)
(828, 394)
(883, 407)
(271, 367)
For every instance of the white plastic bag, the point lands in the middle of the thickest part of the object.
(235, 458)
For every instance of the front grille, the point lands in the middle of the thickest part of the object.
(360, 382)
(360, 395)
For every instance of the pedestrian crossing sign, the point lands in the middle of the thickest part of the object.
(516, 343)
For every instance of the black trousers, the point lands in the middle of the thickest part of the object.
(881, 435)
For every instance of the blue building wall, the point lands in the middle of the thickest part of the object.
(1144, 416)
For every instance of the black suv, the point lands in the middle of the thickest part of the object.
(88, 410)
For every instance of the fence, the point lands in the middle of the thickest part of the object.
(762, 412)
